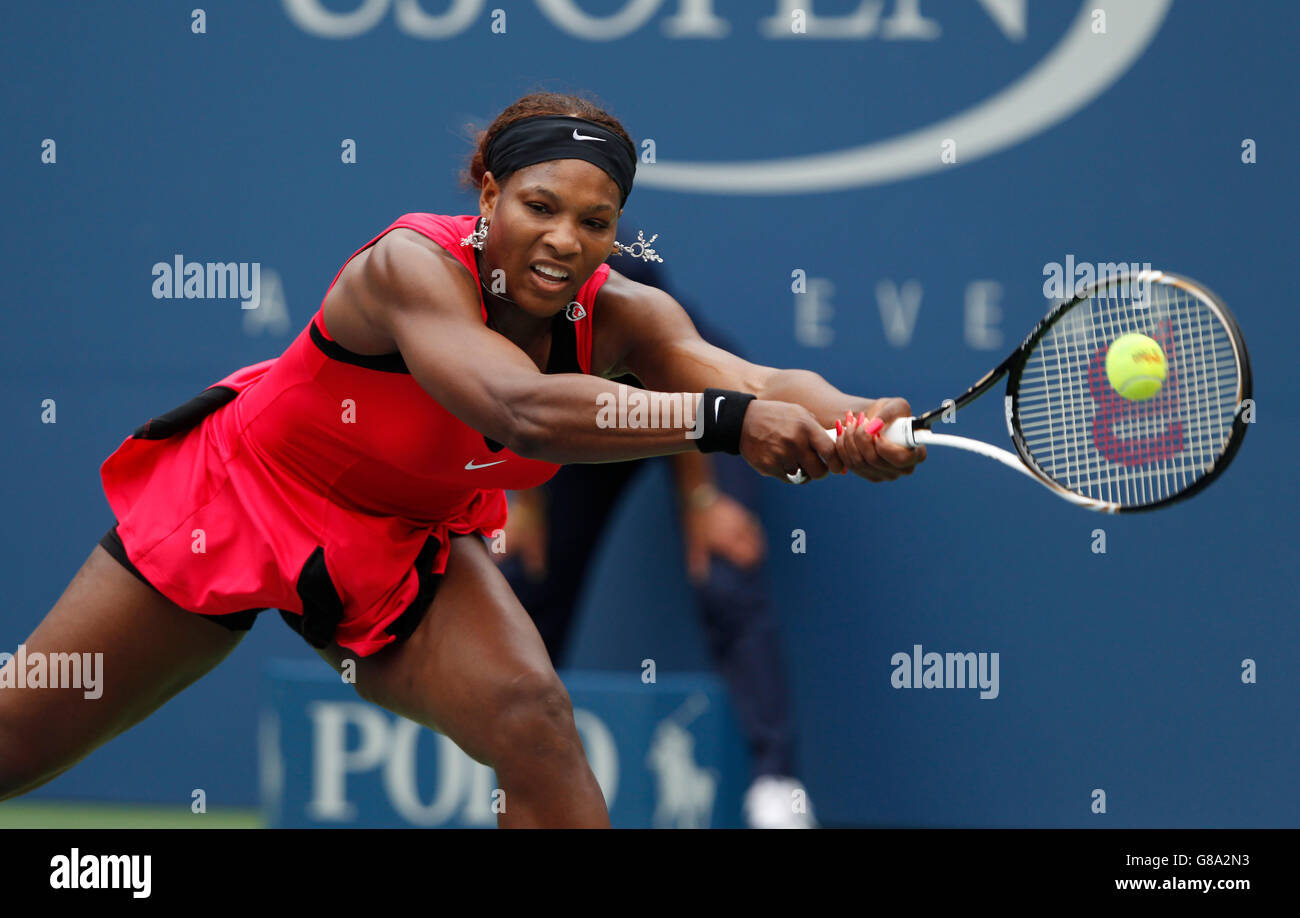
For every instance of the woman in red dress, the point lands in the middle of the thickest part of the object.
(349, 482)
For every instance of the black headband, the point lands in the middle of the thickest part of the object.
(546, 137)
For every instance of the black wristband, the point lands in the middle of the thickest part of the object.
(724, 416)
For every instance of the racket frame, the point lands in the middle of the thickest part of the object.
(918, 430)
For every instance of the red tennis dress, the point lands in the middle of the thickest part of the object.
(322, 483)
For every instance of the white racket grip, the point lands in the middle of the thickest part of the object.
(899, 431)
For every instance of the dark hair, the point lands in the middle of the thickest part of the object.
(529, 106)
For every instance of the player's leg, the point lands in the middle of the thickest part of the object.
(580, 499)
(744, 643)
(151, 650)
(476, 670)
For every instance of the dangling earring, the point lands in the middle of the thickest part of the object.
(646, 253)
(479, 236)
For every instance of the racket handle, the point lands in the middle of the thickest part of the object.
(899, 431)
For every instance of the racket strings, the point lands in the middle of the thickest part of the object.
(1086, 437)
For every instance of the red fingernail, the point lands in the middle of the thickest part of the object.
(839, 429)
(848, 418)
(862, 417)
(874, 427)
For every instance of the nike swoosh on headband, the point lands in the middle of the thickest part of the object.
(577, 136)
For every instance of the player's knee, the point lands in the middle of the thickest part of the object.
(21, 767)
(531, 721)
(368, 689)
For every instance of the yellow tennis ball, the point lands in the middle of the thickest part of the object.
(1136, 367)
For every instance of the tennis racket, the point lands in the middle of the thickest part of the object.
(1075, 434)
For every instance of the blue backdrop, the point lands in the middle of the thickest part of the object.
(1118, 671)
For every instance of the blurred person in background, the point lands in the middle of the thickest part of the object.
(547, 556)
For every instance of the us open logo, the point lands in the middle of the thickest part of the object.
(1077, 69)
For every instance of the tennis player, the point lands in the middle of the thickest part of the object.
(349, 482)
(555, 530)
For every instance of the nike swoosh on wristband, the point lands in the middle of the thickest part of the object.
(717, 403)
(577, 136)
(470, 466)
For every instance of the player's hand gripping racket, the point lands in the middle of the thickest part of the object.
(1123, 437)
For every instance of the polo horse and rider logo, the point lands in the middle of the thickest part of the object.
(684, 792)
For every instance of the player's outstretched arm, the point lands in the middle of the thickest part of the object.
(428, 305)
(644, 331)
